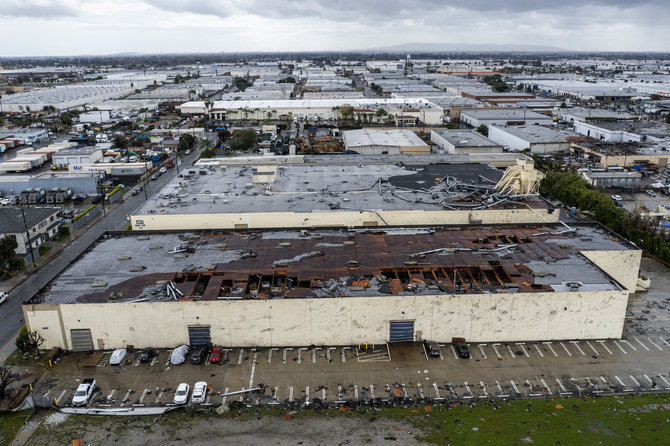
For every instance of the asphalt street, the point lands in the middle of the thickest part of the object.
(116, 219)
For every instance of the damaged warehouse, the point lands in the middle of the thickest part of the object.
(340, 287)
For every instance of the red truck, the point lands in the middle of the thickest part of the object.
(169, 163)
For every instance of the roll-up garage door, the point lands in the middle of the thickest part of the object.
(402, 331)
(81, 340)
(199, 335)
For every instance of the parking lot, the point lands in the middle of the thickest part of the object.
(339, 375)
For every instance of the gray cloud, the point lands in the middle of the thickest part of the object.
(41, 9)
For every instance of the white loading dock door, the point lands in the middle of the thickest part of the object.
(199, 335)
(401, 331)
(82, 341)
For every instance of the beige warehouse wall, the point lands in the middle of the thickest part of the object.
(338, 219)
(342, 321)
(623, 266)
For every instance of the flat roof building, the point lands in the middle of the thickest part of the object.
(536, 138)
(378, 142)
(463, 142)
(503, 116)
(340, 287)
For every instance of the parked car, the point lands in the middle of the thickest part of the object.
(616, 197)
(147, 355)
(162, 170)
(154, 177)
(199, 392)
(3, 297)
(179, 354)
(198, 354)
(433, 350)
(651, 193)
(118, 356)
(463, 350)
(83, 392)
(215, 356)
(188, 152)
(181, 395)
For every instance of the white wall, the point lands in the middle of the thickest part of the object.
(338, 321)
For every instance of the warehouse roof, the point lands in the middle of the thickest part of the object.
(325, 188)
(537, 133)
(338, 263)
(509, 114)
(390, 138)
(465, 138)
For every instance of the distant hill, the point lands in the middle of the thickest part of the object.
(465, 48)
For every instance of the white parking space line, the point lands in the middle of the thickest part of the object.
(574, 383)
(242, 394)
(137, 362)
(523, 348)
(437, 392)
(625, 387)
(307, 394)
(565, 348)
(563, 390)
(323, 394)
(496, 350)
(539, 352)
(60, 397)
(300, 350)
(516, 390)
(531, 392)
(501, 392)
(167, 362)
(635, 380)
(667, 384)
(355, 393)
(290, 394)
(372, 391)
(576, 344)
(509, 349)
(284, 356)
(344, 357)
(629, 344)
(110, 397)
(486, 394)
(603, 345)
(652, 384)
(620, 347)
(640, 342)
(467, 388)
(153, 361)
(270, 350)
(314, 350)
(419, 387)
(159, 394)
(664, 341)
(125, 398)
(453, 350)
(592, 348)
(144, 394)
(328, 350)
(223, 401)
(548, 344)
(404, 390)
(253, 370)
(481, 350)
(654, 344)
(546, 387)
(239, 358)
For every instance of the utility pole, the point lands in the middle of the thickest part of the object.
(30, 244)
(146, 197)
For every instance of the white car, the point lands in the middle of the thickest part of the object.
(181, 395)
(199, 392)
(3, 297)
(162, 170)
(117, 356)
(188, 152)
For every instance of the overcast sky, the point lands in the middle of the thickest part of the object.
(69, 27)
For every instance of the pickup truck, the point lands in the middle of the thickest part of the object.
(84, 392)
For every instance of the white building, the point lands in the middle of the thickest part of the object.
(610, 132)
(42, 224)
(96, 116)
(503, 116)
(85, 155)
(462, 142)
(384, 142)
(538, 139)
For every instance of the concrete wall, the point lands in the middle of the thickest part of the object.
(338, 219)
(623, 266)
(338, 321)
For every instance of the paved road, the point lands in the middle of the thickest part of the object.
(115, 220)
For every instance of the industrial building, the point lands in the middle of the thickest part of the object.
(351, 193)
(340, 287)
(378, 142)
(84, 155)
(420, 109)
(612, 178)
(460, 142)
(537, 139)
(604, 154)
(503, 116)
(79, 183)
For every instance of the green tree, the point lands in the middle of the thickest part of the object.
(347, 111)
(6, 379)
(8, 246)
(241, 83)
(243, 140)
(287, 80)
(186, 142)
(483, 129)
(29, 341)
(223, 136)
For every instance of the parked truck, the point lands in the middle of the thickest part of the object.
(64, 193)
(84, 392)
